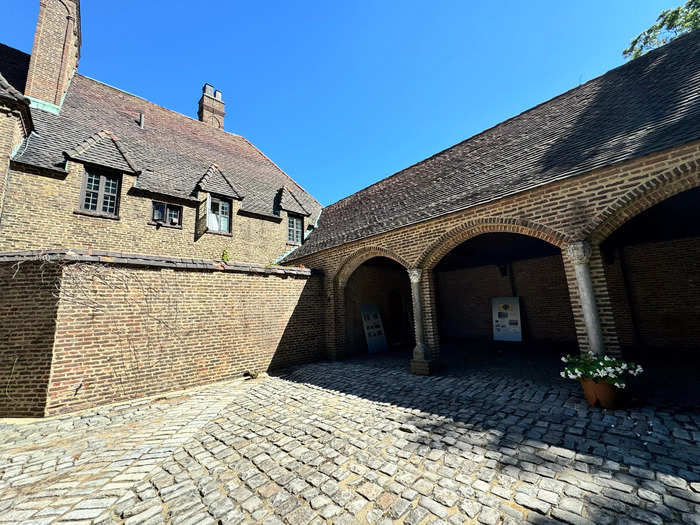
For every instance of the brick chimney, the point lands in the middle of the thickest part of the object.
(211, 107)
(56, 50)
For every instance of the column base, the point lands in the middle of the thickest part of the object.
(421, 367)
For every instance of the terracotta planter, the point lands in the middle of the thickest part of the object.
(602, 394)
(589, 391)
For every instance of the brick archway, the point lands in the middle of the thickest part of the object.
(359, 257)
(458, 235)
(336, 348)
(627, 285)
(665, 185)
(447, 242)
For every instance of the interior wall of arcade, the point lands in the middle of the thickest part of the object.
(464, 300)
(387, 287)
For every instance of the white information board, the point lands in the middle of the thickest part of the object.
(506, 319)
(374, 329)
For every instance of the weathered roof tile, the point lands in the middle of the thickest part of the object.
(172, 152)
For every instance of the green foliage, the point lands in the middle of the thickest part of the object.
(670, 24)
(599, 368)
(226, 257)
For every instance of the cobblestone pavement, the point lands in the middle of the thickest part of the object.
(357, 442)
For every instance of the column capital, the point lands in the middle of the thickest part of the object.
(579, 252)
(414, 274)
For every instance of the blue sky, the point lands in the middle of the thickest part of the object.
(341, 94)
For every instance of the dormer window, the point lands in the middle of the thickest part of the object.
(295, 228)
(219, 215)
(100, 193)
(167, 214)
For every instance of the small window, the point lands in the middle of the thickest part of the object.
(219, 216)
(295, 226)
(100, 193)
(167, 214)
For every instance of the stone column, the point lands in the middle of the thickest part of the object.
(579, 254)
(420, 364)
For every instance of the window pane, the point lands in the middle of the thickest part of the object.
(224, 223)
(158, 211)
(111, 185)
(90, 202)
(109, 204)
(294, 227)
(225, 209)
(93, 182)
(213, 216)
(173, 215)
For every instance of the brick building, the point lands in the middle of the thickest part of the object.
(584, 207)
(136, 244)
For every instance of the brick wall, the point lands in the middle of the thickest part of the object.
(657, 303)
(11, 134)
(586, 207)
(127, 331)
(55, 225)
(464, 300)
(55, 51)
(28, 305)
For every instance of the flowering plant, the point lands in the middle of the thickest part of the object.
(599, 368)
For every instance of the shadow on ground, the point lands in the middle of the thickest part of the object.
(535, 427)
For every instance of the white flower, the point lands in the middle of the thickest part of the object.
(563, 374)
(564, 359)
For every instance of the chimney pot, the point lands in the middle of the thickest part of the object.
(208, 89)
(217, 94)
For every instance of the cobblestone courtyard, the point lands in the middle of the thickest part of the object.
(357, 442)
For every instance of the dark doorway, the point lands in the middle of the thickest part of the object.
(652, 266)
(496, 265)
(382, 283)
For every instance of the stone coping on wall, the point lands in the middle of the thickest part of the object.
(159, 261)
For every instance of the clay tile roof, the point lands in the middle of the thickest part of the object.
(649, 104)
(289, 202)
(172, 152)
(8, 92)
(103, 149)
(216, 181)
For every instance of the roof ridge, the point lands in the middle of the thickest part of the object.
(516, 116)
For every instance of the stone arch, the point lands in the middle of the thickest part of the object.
(458, 235)
(663, 186)
(362, 255)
